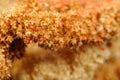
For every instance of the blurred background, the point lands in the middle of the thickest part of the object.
(5, 4)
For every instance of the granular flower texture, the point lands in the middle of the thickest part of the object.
(55, 24)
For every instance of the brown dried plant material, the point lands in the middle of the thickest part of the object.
(5, 67)
(55, 24)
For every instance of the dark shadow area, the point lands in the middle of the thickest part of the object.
(17, 48)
